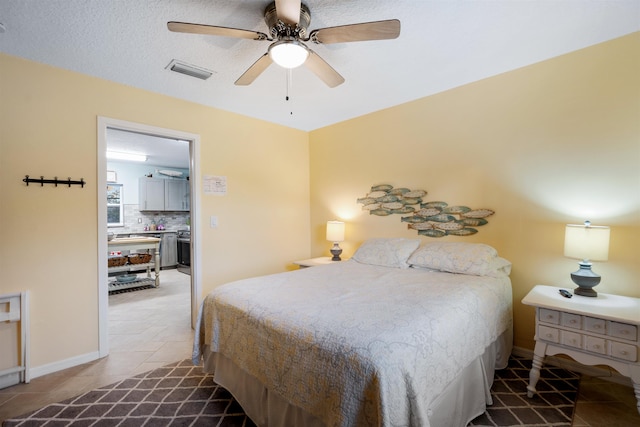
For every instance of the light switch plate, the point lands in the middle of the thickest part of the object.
(213, 221)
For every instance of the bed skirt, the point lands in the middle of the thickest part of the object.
(464, 399)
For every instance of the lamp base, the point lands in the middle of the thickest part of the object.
(585, 292)
(336, 251)
(586, 279)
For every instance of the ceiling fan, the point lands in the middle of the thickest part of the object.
(288, 21)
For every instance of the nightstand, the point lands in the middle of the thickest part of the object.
(314, 262)
(594, 331)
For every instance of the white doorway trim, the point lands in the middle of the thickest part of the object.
(196, 272)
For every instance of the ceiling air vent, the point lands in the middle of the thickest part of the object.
(189, 70)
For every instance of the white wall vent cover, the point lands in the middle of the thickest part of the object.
(189, 70)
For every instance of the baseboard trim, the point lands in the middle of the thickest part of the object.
(50, 368)
(603, 372)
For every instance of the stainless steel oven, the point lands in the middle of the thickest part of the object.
(184, 251)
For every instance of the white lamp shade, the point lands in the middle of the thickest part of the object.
(335, 231)
(288, 54)
(586, 242)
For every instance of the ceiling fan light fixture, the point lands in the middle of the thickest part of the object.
(288, 53)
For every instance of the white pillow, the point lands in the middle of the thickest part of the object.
(475, 259)
(501, 267)
(386, 252)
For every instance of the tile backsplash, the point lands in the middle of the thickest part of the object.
(172, 221)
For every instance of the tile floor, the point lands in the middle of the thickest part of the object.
(147, 329)
(602, 403)
(152, 328)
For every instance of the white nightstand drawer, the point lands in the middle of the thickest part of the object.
(548, 334)
(571, 320)
(624, 351)
(549, 316)
(572, 339)
(595, 344)
(623, 330)
(592, 324)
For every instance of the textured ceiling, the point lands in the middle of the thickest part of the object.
(443, 44)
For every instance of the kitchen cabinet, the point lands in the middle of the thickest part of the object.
(151, 194)
(157, 194)
(176, 195)
(169, 250)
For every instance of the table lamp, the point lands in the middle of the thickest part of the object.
(588, 243)
(335, 234)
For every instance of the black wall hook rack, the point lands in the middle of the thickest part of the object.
(55, 181)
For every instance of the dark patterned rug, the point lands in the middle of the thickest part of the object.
(552, 405)
(181, 395)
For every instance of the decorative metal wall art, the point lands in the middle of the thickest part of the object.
(428, 218)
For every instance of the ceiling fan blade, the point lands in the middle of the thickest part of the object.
(378, 30)
(212, 30)
(323, 70)
(254, 71)
(288, 11)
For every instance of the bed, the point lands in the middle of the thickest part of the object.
(399, 335)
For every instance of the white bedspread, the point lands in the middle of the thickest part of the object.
(356, 344)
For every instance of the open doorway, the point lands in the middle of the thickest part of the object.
(113, 135)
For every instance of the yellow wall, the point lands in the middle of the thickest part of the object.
(48, 126)
(543, 146)
(553, 143)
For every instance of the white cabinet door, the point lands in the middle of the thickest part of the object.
(151, 194)
(169, 250)
(176, 196)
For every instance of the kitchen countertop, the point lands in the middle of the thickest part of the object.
(121, 233)
(133, 241)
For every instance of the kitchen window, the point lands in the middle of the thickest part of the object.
(115, 209)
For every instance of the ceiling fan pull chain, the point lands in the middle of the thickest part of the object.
(289, 78)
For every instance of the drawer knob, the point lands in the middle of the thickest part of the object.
(624, 332)
(572, 321)
(549, 335)
(624, 353)
(597, 347)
